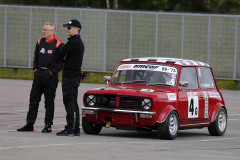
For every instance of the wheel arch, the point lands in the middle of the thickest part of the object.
(164, 113)
(215, 111)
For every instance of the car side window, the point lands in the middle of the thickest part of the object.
(205, 78)
(189, 75)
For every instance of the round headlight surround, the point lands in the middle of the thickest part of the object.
(91, 100)
(147, 103)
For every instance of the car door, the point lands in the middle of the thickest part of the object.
(208, 88)
(191, 99)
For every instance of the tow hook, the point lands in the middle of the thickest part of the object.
(108, 124)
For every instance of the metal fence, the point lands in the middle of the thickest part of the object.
(112, 35)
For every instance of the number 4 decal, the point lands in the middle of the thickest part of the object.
(193, 106)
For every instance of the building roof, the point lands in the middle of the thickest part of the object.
(183, 62)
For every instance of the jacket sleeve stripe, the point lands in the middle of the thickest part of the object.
(58, 43)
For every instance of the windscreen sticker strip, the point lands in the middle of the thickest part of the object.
(150, 67)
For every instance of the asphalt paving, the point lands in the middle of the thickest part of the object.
(110, 144)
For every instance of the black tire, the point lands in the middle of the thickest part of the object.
(170, 127)
(219, 126)
(90, 127)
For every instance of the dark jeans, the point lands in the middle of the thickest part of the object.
(70, 95)
(45, 84)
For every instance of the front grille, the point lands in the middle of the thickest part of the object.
(130, 102)
(105, 101)
(118, 102)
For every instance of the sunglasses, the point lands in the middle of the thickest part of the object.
(69, 27)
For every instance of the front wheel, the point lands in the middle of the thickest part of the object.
(169, 128)
(90, 127)
(219, 126)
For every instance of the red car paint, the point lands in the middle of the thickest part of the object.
(118, 103)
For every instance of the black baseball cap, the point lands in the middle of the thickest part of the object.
(73, 23)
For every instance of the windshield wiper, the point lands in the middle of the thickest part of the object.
(137, 81)
(160, 84)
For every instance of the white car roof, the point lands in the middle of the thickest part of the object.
(183, 62)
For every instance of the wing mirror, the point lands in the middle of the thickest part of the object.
(107, 78)
(182, 84)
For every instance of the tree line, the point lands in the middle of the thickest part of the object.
(192, 6)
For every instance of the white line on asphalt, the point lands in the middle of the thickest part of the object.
(46, 145)
(203, 140)
(206, 140)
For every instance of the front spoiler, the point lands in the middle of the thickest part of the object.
(118, 111)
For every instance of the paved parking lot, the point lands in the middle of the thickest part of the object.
(111, 144)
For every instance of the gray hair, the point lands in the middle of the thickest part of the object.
(51, 26)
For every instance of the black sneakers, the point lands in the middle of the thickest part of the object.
(47, 129)
(27, 128)
(68, 132)
(77, 132)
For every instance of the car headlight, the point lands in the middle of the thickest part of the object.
(91, 100)
(147, 104)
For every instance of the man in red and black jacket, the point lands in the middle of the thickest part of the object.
(45, 77)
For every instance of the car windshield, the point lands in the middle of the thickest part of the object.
(150, 74)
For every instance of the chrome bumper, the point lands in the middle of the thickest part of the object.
(118, 111)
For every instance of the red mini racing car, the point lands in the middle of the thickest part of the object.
(163, 94)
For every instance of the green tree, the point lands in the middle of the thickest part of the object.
(197, 6)
(222, 6)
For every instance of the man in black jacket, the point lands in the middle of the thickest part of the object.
(72, 54)
(46, 67)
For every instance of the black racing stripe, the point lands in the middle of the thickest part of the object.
(134, 59)
(152, 60)
(172, 62)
